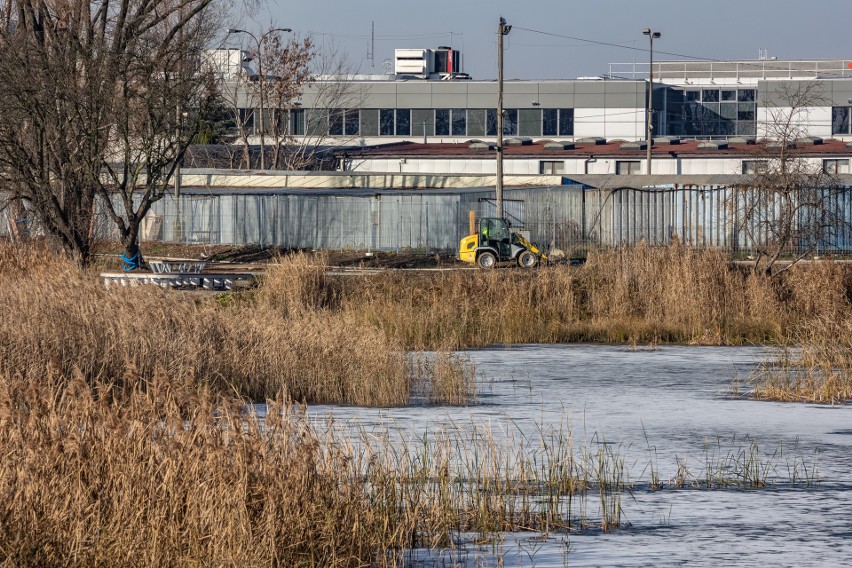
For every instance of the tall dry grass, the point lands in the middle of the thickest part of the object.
(813, 362)
(53, 313)
(161, 470)
(641, 294)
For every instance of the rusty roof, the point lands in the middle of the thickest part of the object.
(611, 148)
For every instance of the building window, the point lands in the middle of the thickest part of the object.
(403, 122)
(343, 122)
(335, 122)
(386, 122)
(836, 166)
(752, 167)
(510, 122)
(476, 122)
(710, 112)
(297, 122)
(247, 118)
(557, 122)
(626, 168)
(459, 122)
(840, 120)
(442, 122)
(551, 167)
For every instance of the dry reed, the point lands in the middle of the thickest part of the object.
(634, 295)
(54, 313)
(162, 470)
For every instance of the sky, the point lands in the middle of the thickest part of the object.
(554, 39)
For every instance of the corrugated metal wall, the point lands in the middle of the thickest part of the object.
(562, 216)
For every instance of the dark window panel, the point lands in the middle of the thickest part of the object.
(442, 122)
(403, 122)
(566, 122)
(386, 122)
(746, 111)
(549, 121)
(510, 122)
(352, 124)
(297, 122)
(459, 122)
(729, 95)
(491, 122)
(840, 120)
(335, 122)
(693, 96)
(710, 95)
(746, 95)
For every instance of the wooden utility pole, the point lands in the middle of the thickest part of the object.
(502, 30)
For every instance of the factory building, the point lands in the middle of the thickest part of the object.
(425, 98)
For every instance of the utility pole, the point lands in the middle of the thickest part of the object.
(649, 137)
(502, 30)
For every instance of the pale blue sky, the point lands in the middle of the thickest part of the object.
(716, 29)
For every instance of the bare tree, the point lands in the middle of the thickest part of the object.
(293, 71)
(787, 207)
(335, 96)
(289, 73)
(101, 99)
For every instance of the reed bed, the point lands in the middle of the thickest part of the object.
(164, 470)
(57, 316)
(637, 295)
(814, 361)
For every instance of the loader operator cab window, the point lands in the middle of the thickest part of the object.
(495, 233)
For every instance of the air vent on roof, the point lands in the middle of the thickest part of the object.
(634, 146)
(809, 141)
(713, 145)
(483, 146)
(668, 140)
(556, 145)
(592, 140)
(741, 140)
(518, 141)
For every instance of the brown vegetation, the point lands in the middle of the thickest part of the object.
(637, 295)
(814, 362)
(159, 470)
(55, 314)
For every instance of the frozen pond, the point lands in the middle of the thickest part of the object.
(671, 404)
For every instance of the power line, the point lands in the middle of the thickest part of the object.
(621, 46)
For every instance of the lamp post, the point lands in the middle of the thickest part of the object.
(503, 29)
(649, 140)
(260, 78)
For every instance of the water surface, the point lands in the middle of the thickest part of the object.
(670, 403)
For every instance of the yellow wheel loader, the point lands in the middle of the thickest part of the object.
(493, 241)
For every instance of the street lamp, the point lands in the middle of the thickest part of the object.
(260, 79)
(651, 37)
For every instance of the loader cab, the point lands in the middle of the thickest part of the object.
(494, 233)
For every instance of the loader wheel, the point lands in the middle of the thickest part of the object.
(527, 259)
(487, 260)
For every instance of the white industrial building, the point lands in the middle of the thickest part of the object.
(427, 100)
